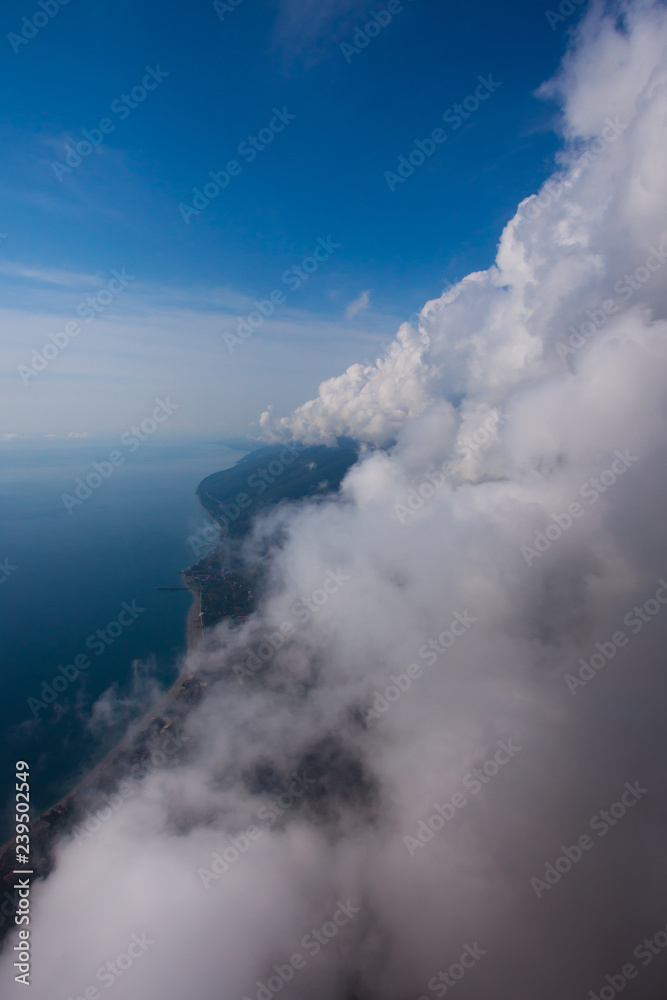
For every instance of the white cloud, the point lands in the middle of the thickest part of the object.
(358, 305)
(485, 350)
(369, 402)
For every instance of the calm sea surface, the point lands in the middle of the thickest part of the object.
(73, 574)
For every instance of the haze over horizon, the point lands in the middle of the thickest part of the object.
(191, 279)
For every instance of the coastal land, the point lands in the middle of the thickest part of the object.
(221, 589)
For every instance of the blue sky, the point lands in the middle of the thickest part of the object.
(322, 176)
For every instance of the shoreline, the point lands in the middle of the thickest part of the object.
(193, 637)
(194, 632)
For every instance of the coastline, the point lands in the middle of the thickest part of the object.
(193, 628)
(193, 636)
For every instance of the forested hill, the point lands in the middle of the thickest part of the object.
(266, 476)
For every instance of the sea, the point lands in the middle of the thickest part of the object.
(69, 574)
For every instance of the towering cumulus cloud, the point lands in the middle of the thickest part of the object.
(432, 759)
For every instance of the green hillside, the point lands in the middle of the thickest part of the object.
(266, 476)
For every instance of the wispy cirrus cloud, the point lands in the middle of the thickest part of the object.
(305, 29)
(47, 275)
